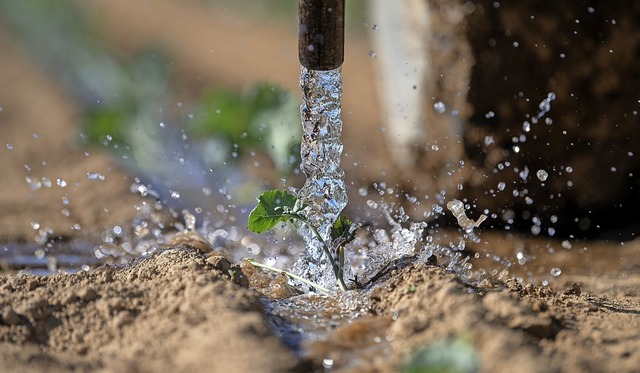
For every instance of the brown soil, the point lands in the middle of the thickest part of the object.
(179, 309)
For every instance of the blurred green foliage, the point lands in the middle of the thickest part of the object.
(453, 355)
(264, 118)
(123, 98)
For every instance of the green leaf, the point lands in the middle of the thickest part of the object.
(343, 231)
(274, 206)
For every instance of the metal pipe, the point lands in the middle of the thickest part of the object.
(321, 34)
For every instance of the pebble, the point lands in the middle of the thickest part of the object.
(220, 263)
(87, 294)
(36, 309)
(10, 317)
(123, 318)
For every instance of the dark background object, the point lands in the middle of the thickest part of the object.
(321, 34)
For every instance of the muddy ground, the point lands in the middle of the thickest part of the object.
(180, 310)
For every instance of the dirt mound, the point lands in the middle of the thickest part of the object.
(171, 312)
(178, 311)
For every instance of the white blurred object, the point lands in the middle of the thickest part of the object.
(402, 66)
(423, 63)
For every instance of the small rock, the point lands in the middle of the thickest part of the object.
(279, 288)
(32, 285)
(87, 294)
(220, 263)
(238, 276)
(106, 275)
(10, 317)
(574, 289)
(123, 318)
(6, 288)
(37, 309)
(539, 306)
(68, 298)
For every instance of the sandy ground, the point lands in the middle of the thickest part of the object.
(181, 310)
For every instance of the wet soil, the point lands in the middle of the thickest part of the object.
(181, 310)
(178, 310)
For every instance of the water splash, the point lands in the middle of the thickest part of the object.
(324, 191)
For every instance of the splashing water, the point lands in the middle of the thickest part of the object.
(457, 209)
(324, 191)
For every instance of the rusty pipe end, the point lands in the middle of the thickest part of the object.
(321, 34)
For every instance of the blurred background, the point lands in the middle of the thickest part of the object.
(198, 101)
(195, 98)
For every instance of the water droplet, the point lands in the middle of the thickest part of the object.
(34, 184)
(327, 363)
(501, 185)
(189, 220)
(555, 271)
(522, 257)
(40, 253)
(535, 230)
(95, 176)
(35, 225)
(373, 54)
(457, 209)
(61, 183)
(175, 195)
(440, 107)
(488, 140)
(542, 175)
(253, 249)
(10, 146)
(363, 192)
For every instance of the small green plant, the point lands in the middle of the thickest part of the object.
(277, 206)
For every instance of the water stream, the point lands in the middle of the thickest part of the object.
(324, 191)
